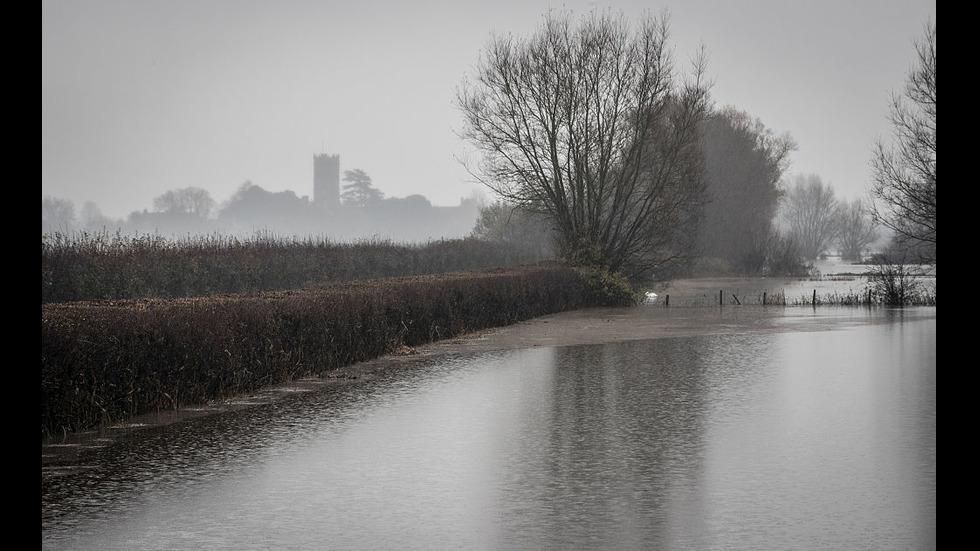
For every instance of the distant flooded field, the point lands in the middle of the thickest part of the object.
(835, 279)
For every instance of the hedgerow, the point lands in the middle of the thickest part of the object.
(103, 361)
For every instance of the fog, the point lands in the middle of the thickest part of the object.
(143, 97)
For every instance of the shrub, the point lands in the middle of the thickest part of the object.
(783, 257)
(899, 284)
(604, 288)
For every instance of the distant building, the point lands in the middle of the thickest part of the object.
(326, 180)
(411, 219)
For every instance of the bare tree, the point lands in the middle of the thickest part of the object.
(359, 191)
(809, 211)
(504, 223)
(91, 217)
(903, 189)
(590, 125)
(190, 201)
(57, 214)
(855, 230)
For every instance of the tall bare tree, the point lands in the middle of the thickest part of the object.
(809, 210)
(903, 188)
(855, 229)
(589, 123)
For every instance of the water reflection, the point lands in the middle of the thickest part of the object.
(797, 440)
(623, 425)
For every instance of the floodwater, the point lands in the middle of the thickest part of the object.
(805, 439)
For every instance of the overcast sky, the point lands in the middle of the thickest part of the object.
(139, 97)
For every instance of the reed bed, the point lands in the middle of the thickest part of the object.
(103, 361)
(90, 266)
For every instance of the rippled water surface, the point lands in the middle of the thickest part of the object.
(779, 440)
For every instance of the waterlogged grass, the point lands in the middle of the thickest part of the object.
(882, 285)
(911, 287)
(102, 361)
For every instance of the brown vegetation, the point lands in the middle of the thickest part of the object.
(84, 266)
(106, 360)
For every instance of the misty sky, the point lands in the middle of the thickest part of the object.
(139, 97)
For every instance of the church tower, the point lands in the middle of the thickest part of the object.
(326, 180)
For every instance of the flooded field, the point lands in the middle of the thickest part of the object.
(653, 428)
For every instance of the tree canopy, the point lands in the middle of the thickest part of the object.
(855, 230)
(359, 191)
(811, 210)
(190, 200)
(589, 123)
(744, 162)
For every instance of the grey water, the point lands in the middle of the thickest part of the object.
(780, 440)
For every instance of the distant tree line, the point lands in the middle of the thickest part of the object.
(595, 144)
(902, 193)
(364, 213)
